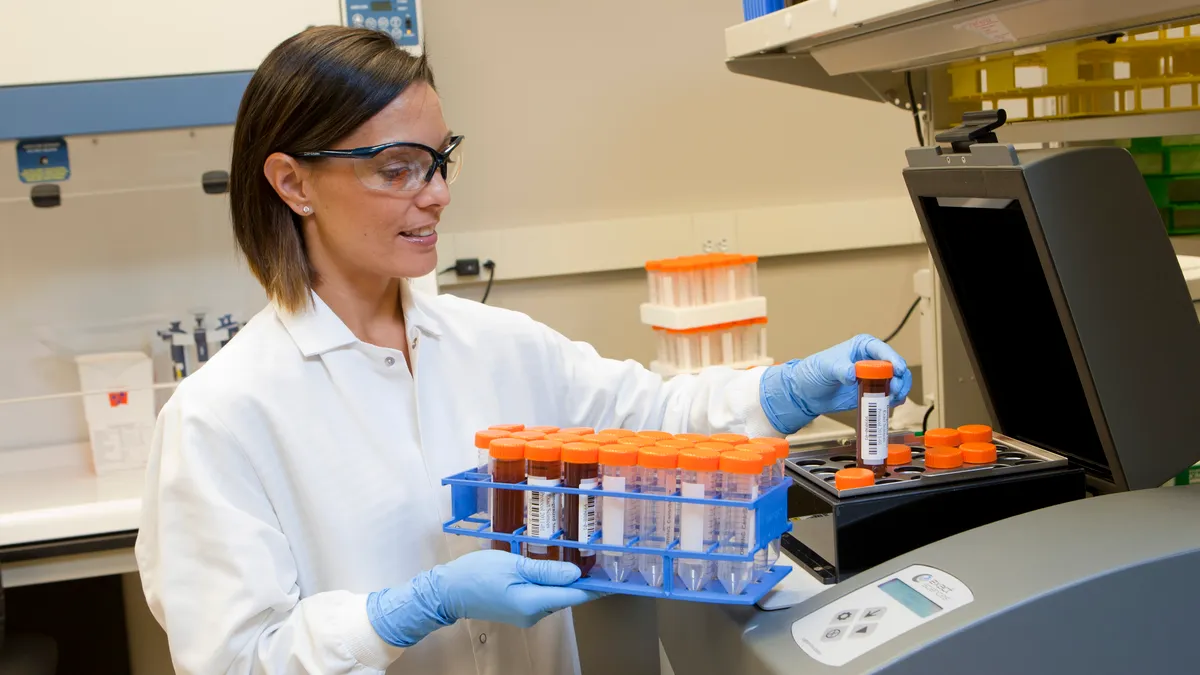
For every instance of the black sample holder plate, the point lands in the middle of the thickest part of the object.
(837, 535)
(1012, 456)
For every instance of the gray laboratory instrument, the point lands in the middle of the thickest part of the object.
(1079, 323)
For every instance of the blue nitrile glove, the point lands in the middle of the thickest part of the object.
(797, 392)
(486, 585)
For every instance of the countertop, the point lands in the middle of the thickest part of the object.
(45, 503)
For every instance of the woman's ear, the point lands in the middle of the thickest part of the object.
(289, 179)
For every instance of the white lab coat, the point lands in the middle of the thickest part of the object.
(300, 469)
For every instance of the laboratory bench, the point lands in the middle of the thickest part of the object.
(64, 522)
(66, 557)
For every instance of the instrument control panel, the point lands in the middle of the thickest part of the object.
(398, 18)
(865, 618)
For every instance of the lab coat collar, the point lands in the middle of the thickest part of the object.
(317, 330)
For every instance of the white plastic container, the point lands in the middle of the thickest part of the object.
(120, 416)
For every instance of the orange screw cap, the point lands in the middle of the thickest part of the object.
(507, 449)
(529, 435)
(975, 433)
(580, 453)
(637, 441)
(619, 455)
(744, 463)
(943, 457)
(698, 459)
(578, 431)
(899, 454)
(978, 453)
(619, 433)
(943, 437)
(658, 458)
(782, 448)
(543, 451)
(853, 478)
(732, 439)
(656, 435)
(484, 438)
(874, 370)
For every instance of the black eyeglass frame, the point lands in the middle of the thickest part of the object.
(440, 157)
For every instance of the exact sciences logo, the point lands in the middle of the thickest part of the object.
(937, 588)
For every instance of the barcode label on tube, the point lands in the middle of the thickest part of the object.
(613, 531)
(543, 509)
(587, 510)
(874, 423)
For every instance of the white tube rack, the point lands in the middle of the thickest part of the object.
(684, 318)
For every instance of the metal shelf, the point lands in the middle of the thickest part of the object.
(1142, 125)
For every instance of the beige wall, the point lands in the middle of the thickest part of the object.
(575, 112)
(588, 111)
(813, 301)
(580, 111)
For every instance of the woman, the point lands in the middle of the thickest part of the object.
(292, 520)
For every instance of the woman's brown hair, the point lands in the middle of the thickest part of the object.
(311, 91)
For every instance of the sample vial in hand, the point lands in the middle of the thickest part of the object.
(874, 407)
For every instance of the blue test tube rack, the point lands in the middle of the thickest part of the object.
(770, 524)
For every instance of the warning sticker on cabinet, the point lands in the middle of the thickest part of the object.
(990, 27)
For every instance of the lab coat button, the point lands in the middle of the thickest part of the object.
(483, 638)
(390, 361)
(414, 342)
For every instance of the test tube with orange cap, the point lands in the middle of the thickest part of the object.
(483, 441)
(543, 468)
(658, 475)
(618, 515)
(766, 478)
(581, 469)
(698, 470)
(782, 450)
(736, 528)
(507, 508)
(874, 407)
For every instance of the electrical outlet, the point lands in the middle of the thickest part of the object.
(466, 267)
(716, 245)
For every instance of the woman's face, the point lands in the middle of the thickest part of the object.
(363, 231)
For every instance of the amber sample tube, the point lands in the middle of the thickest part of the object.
(543, 468)
(874, 406)
(581, 469)
(507, 465)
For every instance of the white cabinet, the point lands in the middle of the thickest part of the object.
(88, 40)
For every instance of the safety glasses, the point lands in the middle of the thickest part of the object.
(400, 166)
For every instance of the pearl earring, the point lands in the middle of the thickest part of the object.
(307, 210)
